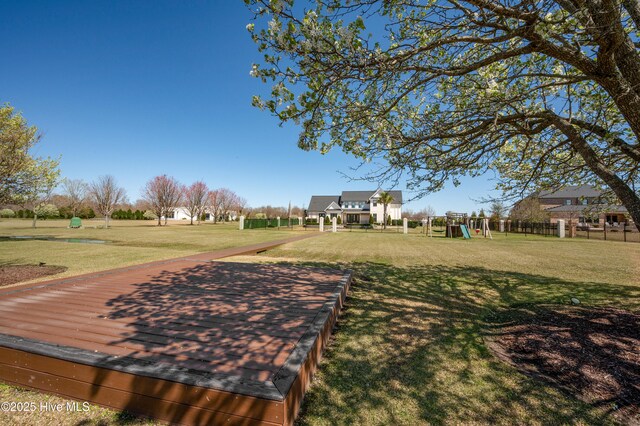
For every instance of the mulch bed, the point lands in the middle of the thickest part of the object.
(11, 274)
(593, 353)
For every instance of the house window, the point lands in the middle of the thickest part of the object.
(375, 204)
(567, 202)
(375, 217)
(585, 202)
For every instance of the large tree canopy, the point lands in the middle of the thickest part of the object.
(22, 176)
(546, 93)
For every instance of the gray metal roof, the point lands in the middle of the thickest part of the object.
(320, 202)
(588, 209)
(365, 195)
(575, 191)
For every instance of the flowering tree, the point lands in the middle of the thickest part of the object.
(23, 178)
(546, 93)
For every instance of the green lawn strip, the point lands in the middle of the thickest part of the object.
(130, 243)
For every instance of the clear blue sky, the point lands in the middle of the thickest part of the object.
(141, 88)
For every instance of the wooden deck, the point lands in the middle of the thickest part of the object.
(187, 341)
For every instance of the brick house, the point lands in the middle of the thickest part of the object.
(581, 205)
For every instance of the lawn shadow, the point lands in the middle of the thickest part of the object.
(410, 348)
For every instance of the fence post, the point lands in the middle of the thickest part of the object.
(605, 231)
(561, 228)
(321, 224)
(624, 231)
(241, 223)
(334, 224)
(405, 226)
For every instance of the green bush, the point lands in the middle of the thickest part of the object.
(339, 220)
(327, 221)
(47, 211)
(311, 222)
(149, 215)
(7, 213)
(388, 219)
(371, 221)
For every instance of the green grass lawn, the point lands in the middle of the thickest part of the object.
(130, 242)
(409, 345)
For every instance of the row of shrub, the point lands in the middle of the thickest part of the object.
(48, 211)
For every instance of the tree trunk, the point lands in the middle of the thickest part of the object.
(384, 217)
(35, 218)
(106, 221)
(191, 220)
(159, 220)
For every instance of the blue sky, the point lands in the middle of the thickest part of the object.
(137, 89)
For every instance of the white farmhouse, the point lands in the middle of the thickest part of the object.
(355, 207)
(181, 213)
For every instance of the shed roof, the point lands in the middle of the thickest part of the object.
(588, 208)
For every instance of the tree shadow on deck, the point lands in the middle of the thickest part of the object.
(231, 325)
(409, 347)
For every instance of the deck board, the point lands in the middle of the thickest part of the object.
(153, 339)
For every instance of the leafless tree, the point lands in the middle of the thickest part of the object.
(241, 205)
(223, 201)
(226, 199)
(214, 205)
(271, 211)
(195, 197)
(106, 194)
(76, 192)
(163, 193)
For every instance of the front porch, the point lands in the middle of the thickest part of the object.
(355, 218)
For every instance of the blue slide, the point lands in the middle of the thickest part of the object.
(465, 232)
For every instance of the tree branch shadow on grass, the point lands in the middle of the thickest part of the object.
(409, 346)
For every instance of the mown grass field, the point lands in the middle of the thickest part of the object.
(130, 242)
(409, 347)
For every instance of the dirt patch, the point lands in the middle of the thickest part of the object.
(11, 274)
(593, 353)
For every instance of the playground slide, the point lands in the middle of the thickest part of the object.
(465, 232)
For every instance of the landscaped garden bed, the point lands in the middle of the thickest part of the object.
(11, 274)
(592, 353)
